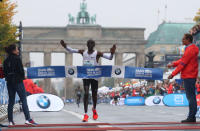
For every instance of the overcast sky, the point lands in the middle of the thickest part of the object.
(110, 13)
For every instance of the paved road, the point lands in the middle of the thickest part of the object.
(109, 114)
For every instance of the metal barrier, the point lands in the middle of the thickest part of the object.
(3, 111)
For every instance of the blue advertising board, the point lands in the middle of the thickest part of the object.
(175, 100)
(46, 72)
(134, 101)
(4, 93)
(143, 73)
(94, 71)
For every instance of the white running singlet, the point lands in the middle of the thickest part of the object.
(90, 59)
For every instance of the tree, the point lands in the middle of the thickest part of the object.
(197, 17)
(8, 30)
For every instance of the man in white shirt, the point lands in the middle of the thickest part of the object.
(90, 58)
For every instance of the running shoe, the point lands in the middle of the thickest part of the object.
(11, 123)
(85, 119)
(95, 115)
(31, 122)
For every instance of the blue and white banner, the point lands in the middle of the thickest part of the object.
(46, 72)
(118, 71)
(44, 102)
(135, 101)
(4, 93)
(143, 73)
(95, 72)
(71, 71)
(154, 100)
(175, 100)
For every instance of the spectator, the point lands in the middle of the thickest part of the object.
(14, 74)
(188, 66)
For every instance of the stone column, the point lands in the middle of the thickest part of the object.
(119, 59)
(69, 89)
(26, 59)
(119, 62)
(140, 59)
(47, 81)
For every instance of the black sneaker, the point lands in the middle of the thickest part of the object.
(188, 120)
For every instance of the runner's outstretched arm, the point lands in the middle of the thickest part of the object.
(69, 49)
(110, 55)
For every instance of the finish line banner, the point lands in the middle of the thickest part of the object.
(143, 73)
(95, 72)
(46, 72)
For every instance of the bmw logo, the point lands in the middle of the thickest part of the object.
(71, 71)
(118, 71)
(156, 100)
(43, 102)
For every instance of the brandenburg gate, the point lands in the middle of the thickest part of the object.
(76, 33)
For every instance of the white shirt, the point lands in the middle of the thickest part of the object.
(90, 59)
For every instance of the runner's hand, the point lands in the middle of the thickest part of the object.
(63, 43)
(112, 50)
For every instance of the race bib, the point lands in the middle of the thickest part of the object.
(88, 63)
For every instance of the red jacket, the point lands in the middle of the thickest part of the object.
(188, 64)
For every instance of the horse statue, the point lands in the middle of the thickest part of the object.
(83, 16)
(93, 19)
(71, 19)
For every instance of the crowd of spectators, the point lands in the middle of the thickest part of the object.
(164, 88)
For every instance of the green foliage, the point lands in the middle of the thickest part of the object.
(197, 17)
(8, 31)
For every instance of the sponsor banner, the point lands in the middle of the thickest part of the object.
(143, 73)
(175, 100)
(154, 100)
(134, 101)
(44, 102)
(46, 72)
(71, 71)
(118, 71)
(3, 92)
(94, 71)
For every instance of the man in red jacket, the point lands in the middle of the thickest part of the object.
(188, 66)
